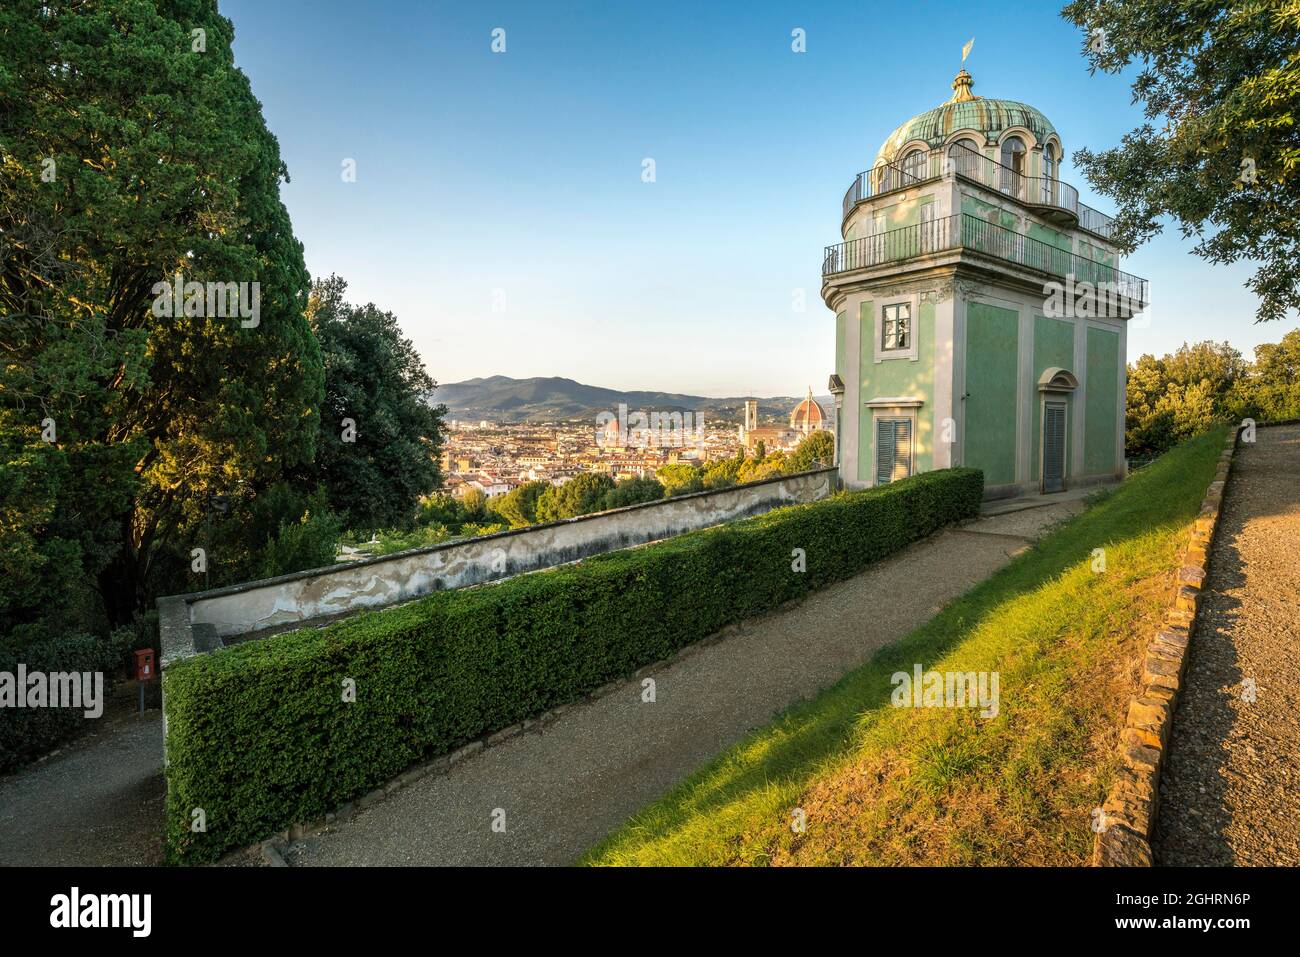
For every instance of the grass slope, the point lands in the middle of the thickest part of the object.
(885, 785)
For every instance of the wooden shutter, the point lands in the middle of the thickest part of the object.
(884, 450)
(1053, 447)
(893, 450)
(902, 448)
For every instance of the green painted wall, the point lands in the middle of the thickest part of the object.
(992, 364)
(989, 212)
(1053, 346)
(896, 377)
(907, 213)
(1096, 253)
(1103, 397)
(1045, 234)
(898, 215)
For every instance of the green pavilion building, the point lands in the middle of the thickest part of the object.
(980, 314)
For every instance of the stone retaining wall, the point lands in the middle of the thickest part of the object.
(1129, 813)
(198, 622)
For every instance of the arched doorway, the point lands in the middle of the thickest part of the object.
(1055, 385)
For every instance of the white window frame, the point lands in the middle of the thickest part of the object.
(892, 414)
(900, 314)
(1011, 182)
(971, 165)
(878, 326)
(914, 166)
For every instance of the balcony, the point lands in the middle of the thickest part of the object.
(1056, 200)
(963, 231)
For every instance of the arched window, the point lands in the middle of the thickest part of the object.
(963, 158)
(1013, 165)
(913, 167)
(883, 176)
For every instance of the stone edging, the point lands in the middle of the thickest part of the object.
(1129, 813)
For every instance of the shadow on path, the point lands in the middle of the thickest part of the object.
(1228, 793)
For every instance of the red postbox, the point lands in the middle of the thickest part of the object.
(144, 665)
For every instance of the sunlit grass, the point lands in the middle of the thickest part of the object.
(885, 785)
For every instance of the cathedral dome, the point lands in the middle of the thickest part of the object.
(807, 415)
(965, 111)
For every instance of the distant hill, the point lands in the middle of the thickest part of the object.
(500, 398)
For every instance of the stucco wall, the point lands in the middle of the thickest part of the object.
(897, 377)
(1053, 347)
(1104, 392)
(992, 360)
(194, 623)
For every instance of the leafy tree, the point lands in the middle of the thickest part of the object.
(580, 495)
(441, 508)
(633, 492)
(680, 478)
(723, 473)
(1272, 390)
(474, 504)
(769, 466)
(518, 507)
(1173, 398)
(44, 555)
(1218, 152)
(380, 438)
(131, 155)
(814, 449)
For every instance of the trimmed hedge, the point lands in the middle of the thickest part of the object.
(259, 737)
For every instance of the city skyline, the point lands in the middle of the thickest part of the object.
(507, 225)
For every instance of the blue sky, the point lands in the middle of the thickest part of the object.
(499, 208)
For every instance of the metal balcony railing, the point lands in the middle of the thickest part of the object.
(1095, 222)
(964, 231)
(920, 166)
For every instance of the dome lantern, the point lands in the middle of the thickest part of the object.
(961, 85)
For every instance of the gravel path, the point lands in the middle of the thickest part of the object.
(97, 801)
(1231, 791)
(565, 788)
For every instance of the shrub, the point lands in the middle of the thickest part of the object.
(310, 542)
(422, 536)
(258, 734)
(26, 733)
